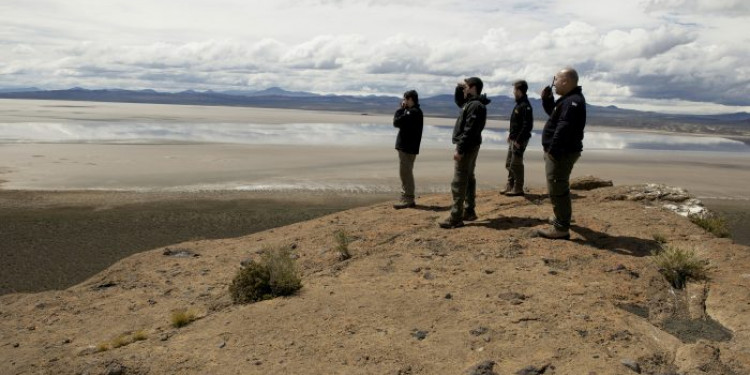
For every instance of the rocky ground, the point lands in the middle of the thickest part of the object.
(489, 298)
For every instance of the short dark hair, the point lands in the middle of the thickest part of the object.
(521, 86)
(413, 95)
(476, 82)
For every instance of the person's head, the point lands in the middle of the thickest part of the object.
(565, 81)
(472, 86)
(411, 98)
(520, 88)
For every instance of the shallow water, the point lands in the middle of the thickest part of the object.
(321, 134)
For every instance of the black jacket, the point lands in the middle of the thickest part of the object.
(409, 122)
(521, 121)
(563, 132)
(467, 133)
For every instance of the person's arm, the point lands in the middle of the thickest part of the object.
(476, 116)
(527, 124)
(548, 100)
(458, 96)
(400, 118)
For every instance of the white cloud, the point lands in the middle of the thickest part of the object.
(626, 52)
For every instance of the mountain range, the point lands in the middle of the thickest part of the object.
(434, 106)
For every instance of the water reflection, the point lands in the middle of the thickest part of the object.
(329, 134)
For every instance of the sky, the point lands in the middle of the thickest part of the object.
(677, 56)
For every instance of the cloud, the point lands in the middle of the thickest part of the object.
(625, 52)
(730, 8)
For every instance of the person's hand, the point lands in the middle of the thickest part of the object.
(516, 144)
(546, 92)
(457, 156)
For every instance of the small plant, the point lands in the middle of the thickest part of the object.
(342, 244)
(102, 347)
(121, 341)
(139, 336)
(678, 265)
(181, 318)
(274, 275)
(713, 223)
(660, 238)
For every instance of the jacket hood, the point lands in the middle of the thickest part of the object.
(482, 99)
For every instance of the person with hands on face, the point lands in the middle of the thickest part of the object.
(409, 120)
(521, 124)
(467, 136)
(562, 140)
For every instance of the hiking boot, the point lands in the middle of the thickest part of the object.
(552, 220)
(470, 215)
(508, 187)
(449, 223)
(554, 233)
(515, 193)
(402, 205)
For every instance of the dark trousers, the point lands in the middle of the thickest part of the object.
(464, 185)
(514, 165)
(558, 186)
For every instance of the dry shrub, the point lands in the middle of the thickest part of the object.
(275, 274)
(713, 223)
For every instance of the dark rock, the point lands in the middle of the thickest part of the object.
(631, 364)
(180, 253)
(15, 345)
(428, 276)
(479, 331)
(589, 183)
(105, 285)
(419, 335)
(114, 368)
(222, 344)
(533, 370)
(448, 296)
(484, 368)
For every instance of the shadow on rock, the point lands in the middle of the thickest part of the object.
(509, 222)
(625, 245)
(431, 208)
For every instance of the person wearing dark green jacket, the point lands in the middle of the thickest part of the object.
(521, 123)
(467, 136)
(409, 120)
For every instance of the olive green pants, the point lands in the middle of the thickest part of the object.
(464, 185)
(514, 165)
(558, 186)
(406, 172)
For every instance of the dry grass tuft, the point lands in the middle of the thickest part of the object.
(680, 265)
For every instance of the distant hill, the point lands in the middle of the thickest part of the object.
(435, 106)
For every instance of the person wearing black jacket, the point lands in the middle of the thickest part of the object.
(409, 121)
(521, 123)
(467, 136)
(562, 140)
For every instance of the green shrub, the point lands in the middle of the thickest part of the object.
(274, 275)
(678, 265)
(712, 223)
(181, 318)
(342, 245)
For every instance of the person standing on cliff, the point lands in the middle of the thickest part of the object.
(409, 120)
(521, 123)
(467, 136)
(562, 140)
